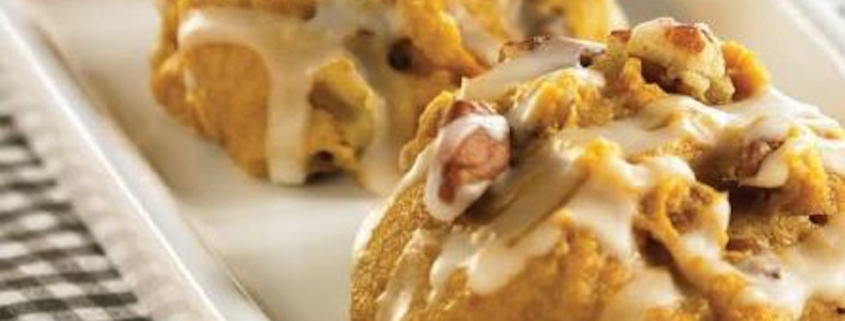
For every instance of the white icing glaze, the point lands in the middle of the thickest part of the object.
(479, 41)
(495, 253)
(649, 288)
(774, 171)
(606, 201)
(277, 40)
(815, 268)
(833, 154)
(665, 122)
(393, 125)
(768, 128)
(695, 69)
(396, 300)
(493, 266)
(489, 261)
(525, 117)
(769, 109)
(768, 116)
(449, 138)
(291, 50)
(456, 249)
(414, 175)
(553, 55)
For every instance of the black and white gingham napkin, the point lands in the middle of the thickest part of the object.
(50, 266)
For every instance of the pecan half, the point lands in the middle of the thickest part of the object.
(752, 157)
(471, 150)
(478, 158)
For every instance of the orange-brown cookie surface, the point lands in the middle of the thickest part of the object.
(659, 178)
(294, 88)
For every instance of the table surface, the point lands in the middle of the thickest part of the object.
(51, 267)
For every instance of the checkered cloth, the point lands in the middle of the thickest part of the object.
(50, 266)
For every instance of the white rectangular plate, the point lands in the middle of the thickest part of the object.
(288, 248)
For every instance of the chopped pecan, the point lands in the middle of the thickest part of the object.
(687, 37)
(752, 157)
(471, 150)
(689, 55)
(478, 158)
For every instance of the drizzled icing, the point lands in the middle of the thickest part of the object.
(495, 253)
(606, 201)
(813, 268)
(528, 112)
(603, 196)
(548, 57)
(293, 49)
(278, 41)
(769, 116)
(397, 298)
(479, 41)
(813, 127)
(664, 122)
(649, 288)
(415, 174)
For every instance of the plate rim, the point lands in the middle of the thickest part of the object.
(201, 287)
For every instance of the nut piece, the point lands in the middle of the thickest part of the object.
(471, 150)
(762, 162)
(478, 158)
(688, 38)
(587, 51)
(752, 157)
(689, 58)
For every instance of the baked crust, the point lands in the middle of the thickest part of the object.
(222, 89)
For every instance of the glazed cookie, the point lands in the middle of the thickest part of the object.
(658, 178)
(296, 87)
